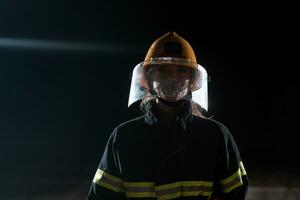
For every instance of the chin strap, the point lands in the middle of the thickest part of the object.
(171, 104)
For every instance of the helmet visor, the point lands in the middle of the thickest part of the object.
(171, 79)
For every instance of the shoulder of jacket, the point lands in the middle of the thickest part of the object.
(224, 131)
(125, 129)
(213, 126)
(138, 121)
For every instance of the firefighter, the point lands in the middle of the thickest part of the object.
(172, 151)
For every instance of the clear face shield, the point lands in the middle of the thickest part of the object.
(171, 79)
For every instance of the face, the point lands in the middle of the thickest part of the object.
(171, 82)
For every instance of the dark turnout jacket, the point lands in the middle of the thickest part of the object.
(188, 158)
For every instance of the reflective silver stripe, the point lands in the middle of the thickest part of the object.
(243, 170)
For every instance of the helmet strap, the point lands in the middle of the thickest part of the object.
(171, 104)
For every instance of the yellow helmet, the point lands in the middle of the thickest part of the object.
(169, 49)
(171, 45)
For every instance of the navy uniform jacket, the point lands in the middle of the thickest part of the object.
(189, 158)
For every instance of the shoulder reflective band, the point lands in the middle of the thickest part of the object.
(149, 189)
(234, 180)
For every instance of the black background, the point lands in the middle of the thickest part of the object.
(58, 106)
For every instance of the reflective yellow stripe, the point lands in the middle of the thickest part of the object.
(169, 196)
(196, 193)
(234, 180)
(138, 184)
(148, 189)
(139, 189)
(168, 186)
(232, 177)
(109, 186)
(229, 189)
(108, 181)
(197, 183)
(140, 194)
(184, 188)
(100, 173)
(113, 178)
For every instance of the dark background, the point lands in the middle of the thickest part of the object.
(59, 103)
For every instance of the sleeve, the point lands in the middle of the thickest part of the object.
(107, 183)
(232, 177)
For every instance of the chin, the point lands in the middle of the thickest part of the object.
(170, 99)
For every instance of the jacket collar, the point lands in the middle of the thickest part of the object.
(184, 114)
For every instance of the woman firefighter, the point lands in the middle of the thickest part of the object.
(172, 151)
